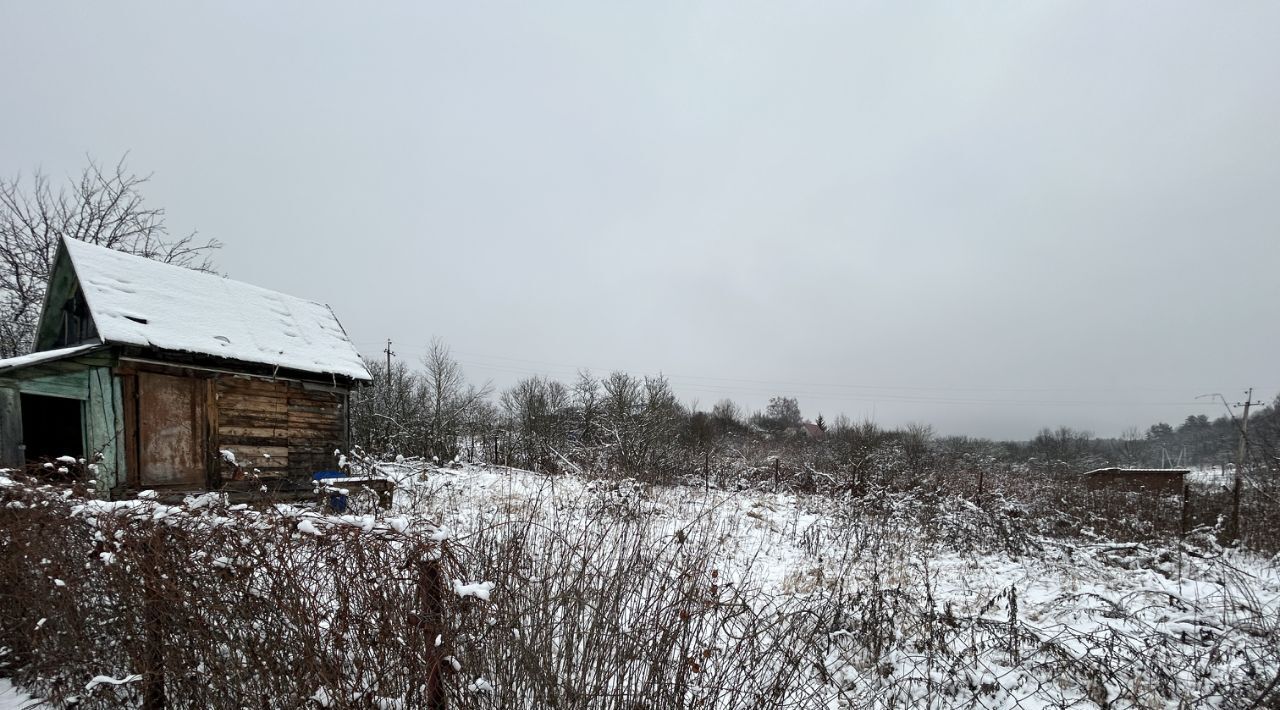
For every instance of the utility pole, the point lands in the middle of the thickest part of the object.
(1244, 451)
(1244, 428)
(389, 354)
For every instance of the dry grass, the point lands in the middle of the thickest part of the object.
(617, 596)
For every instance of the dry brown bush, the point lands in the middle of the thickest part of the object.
(210, 606)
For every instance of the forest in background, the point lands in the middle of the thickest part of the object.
(637, 426)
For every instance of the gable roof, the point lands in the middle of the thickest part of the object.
(138, 301)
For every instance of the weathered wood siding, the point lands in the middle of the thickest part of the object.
(280, 427)
(172, 431)
(71, 385)
(1151, 482)
(10, 428)
(317, 428)
(102, 424)
(104, 428)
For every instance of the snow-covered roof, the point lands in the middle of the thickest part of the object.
(1117, 469)
(139, 301)
(14, 363)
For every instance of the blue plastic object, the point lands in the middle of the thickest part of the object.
(337, 501)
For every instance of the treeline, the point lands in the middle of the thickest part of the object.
(636, 426)
(1196, 442)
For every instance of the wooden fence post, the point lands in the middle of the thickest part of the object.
(1235, 507)
(431, 620)
(1186, 508)
(153, 696)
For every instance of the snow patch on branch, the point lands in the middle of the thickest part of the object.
(108, 680)
(479, 590)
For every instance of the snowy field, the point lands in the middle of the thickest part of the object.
(572, 592)
(928, 603)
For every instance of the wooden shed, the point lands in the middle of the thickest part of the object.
(1160, 481)
(162, 377)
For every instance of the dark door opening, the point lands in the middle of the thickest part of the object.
(51, 427)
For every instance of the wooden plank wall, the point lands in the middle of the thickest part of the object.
(317, 427)
(280, 427)
(71, 385)
(10, 428)
(104, 427)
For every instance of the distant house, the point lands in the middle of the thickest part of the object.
(814, 432)
(1137, 480)
(152, 371)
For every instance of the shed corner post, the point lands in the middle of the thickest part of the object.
(213, 442)
(10, 428)
(105, 431)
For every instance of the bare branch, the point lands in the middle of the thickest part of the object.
(101, 206)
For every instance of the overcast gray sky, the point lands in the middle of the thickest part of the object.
(987, 217)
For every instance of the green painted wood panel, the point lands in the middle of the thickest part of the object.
(10, 428)
(62, 284)
(104, 428)
(73, 385)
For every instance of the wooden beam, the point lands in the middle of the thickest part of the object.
(10, 428)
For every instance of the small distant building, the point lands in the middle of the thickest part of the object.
(814, 432)
(161, 376)
(1137, 480)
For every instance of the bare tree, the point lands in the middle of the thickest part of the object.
(386, 415)
(103, 207)
(783, 413)
(586, 404)
(621, 405)
(449, 399)
(538, 408)
(727, 414)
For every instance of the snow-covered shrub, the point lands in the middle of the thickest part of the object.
(894, 598)
(576, 593)
(103, 604)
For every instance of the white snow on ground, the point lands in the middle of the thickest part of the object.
(773, 526)
(1073, 594)
(1212, 476)
(13, 699)
(1079, 596)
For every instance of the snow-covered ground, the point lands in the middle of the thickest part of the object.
(13, 699)
(775, 532)
(1212, 476)
(1185, 619)
(888, 600)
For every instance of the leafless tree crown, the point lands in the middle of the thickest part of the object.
(102, 206)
